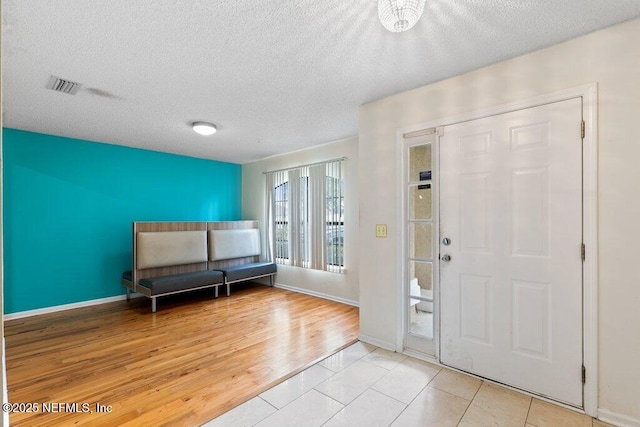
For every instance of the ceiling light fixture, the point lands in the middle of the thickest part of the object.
(204, 128)
(399, 15)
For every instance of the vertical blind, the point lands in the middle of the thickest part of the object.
(305, 216)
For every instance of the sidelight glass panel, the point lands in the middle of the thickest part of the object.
(420, 202)
(419, 250)
(421, 279)
(420, 240)
(420, 163)
(421, 298)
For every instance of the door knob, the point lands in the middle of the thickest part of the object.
(446, 258)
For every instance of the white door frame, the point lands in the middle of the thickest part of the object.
(589, 94)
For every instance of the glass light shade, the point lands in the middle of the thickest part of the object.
(399, 15)
(204, 128)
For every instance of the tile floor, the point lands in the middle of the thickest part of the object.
(368, 386)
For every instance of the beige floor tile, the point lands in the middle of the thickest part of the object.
(371, 409)
(352, 381)
(543, 414)
(496, 406)
(348, 356)
(245, 415)
(406, 380)
(433, 407)
(384, 358)
(455, 383)
(291, 389)
(311, 409)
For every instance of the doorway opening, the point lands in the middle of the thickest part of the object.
(529, 302)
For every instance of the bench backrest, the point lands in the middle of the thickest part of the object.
(238, 244)
(229, 244)
(160, 248)
(169, 248)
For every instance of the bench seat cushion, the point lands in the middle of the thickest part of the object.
(247, 271)
(179, 282)
(127, 275)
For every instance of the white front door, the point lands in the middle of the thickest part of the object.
(511, 209)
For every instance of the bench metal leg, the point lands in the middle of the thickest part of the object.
(215, 292)
(271, 280)
(128, 294)
(228, 289)
(153, 304)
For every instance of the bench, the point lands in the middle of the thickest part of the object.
(175, 257)
(169, 258)
(235, 253)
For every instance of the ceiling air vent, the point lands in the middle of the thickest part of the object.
(62, 85)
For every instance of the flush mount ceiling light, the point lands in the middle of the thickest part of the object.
(399, 15)
(204, 128)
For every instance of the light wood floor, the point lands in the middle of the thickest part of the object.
(193, 360)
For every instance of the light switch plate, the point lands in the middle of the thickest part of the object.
(381, 230)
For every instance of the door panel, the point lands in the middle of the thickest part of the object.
(476, 308)
(530, 211)
(474, 212)
(511, 204)
(531, 335)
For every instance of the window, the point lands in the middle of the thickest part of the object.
(335, 220)
(281, 220)
(305, 216)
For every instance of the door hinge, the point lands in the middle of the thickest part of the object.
(583, 251)
(582, 129)
(584, 375)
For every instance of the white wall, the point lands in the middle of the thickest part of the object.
(341, 287)
(611, 58)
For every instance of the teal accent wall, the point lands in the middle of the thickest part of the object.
(69, 205)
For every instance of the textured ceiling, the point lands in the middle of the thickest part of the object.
(275, 76)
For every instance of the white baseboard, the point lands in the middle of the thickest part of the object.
(378, 343)
(317, 294)
(56, 308)
(617, 419)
